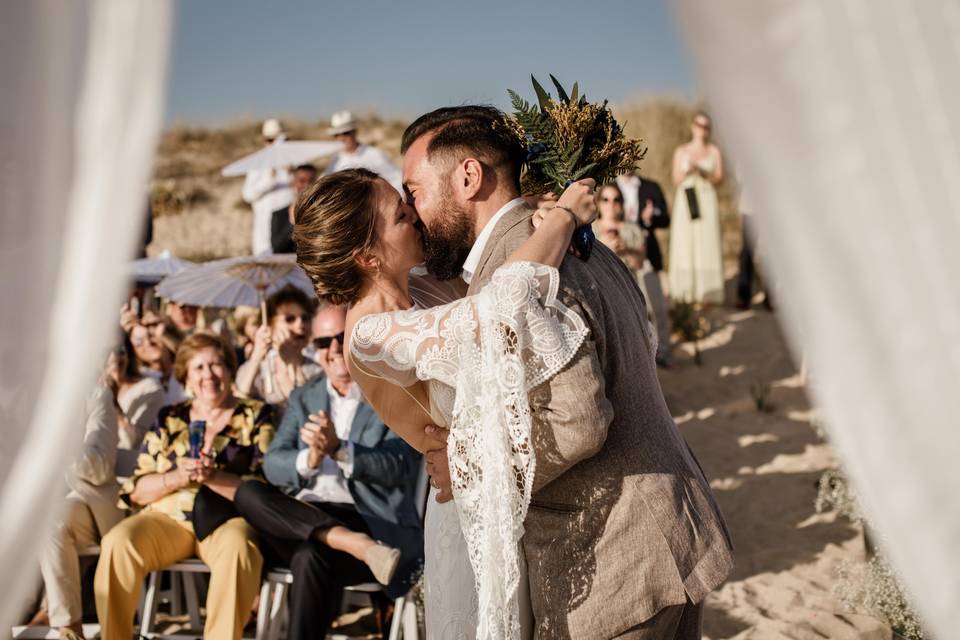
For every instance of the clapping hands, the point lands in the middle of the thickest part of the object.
(320, 436)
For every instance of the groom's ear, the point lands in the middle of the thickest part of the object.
(469, 178)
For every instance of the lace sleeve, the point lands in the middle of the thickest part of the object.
(492, 348)
(436, 343)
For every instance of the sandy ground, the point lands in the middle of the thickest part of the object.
(764, 466)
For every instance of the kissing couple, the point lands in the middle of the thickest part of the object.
(567, 504)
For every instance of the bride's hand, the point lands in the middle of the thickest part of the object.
(579, 198)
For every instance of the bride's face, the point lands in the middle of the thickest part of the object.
(399, 244)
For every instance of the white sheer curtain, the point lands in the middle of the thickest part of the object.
(81, 97)
(843, 115)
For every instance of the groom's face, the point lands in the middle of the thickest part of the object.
(447, 223)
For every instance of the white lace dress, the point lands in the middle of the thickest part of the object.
(480, 356)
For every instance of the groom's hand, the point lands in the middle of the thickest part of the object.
(437, 464)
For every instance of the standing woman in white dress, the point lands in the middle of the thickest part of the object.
(696, 249)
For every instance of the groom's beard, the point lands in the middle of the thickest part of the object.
(447, 243)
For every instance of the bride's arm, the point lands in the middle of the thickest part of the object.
(402, 409)
(555, 224)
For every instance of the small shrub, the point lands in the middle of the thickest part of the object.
(691, 326)
(835, 494)
(878, 592)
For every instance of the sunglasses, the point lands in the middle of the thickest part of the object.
(609, 199)
(702, 125)
(291, 318)
(324, 342)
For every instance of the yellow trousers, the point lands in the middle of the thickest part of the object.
(150, 541)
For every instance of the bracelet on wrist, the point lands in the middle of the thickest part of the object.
(569, 211)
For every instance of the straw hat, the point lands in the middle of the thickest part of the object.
(341, 122)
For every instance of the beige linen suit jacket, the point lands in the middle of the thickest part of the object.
(623, 522)
(92, 476)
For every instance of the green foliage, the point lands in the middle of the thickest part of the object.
(570, 139)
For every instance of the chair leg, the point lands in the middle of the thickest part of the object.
(263, 611)
(398, 606)
(411, 626)
(277, 611)
(176, 593)
(150, 604)
(193, 603)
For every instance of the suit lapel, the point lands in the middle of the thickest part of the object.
(324, 403)
(360, 421)
(510, 219)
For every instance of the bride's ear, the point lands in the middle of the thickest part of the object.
(367, 261)
(469, 178)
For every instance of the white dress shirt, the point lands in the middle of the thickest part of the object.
(266, 191)
(367, 157)
(472, 263)
(328, 482)
(630, 188)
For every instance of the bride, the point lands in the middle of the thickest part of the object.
(422, 355)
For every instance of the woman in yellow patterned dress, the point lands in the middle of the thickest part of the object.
(186, 503)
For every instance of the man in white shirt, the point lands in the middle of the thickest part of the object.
(343, 127)
(333, 463)
(266, 190)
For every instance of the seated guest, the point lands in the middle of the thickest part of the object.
(154, 359)
(90, 513)
(186, 501)
(183, 316)
(277, 365)
(246, 321)
(281, 225)
(139, 397)
(347, 480)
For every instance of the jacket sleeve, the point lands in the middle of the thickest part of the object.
(280, 463)
(143, 412)
(99, 457)
(571, 413)
(258, 183)
(662, 219)
(390, 464)
(571, 416)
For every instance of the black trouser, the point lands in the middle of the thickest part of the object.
(286, 526)
(745, 277)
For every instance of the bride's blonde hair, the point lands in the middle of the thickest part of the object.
(333, 224)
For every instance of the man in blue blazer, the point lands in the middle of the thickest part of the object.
(333, 466)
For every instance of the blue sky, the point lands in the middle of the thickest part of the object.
(252, 58)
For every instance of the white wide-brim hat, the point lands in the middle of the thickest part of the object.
(271, 128)
(341, 122)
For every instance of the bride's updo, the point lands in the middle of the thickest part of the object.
(333, 223)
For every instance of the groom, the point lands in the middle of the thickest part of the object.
(623, 538)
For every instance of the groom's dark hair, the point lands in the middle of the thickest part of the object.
(480, 131)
